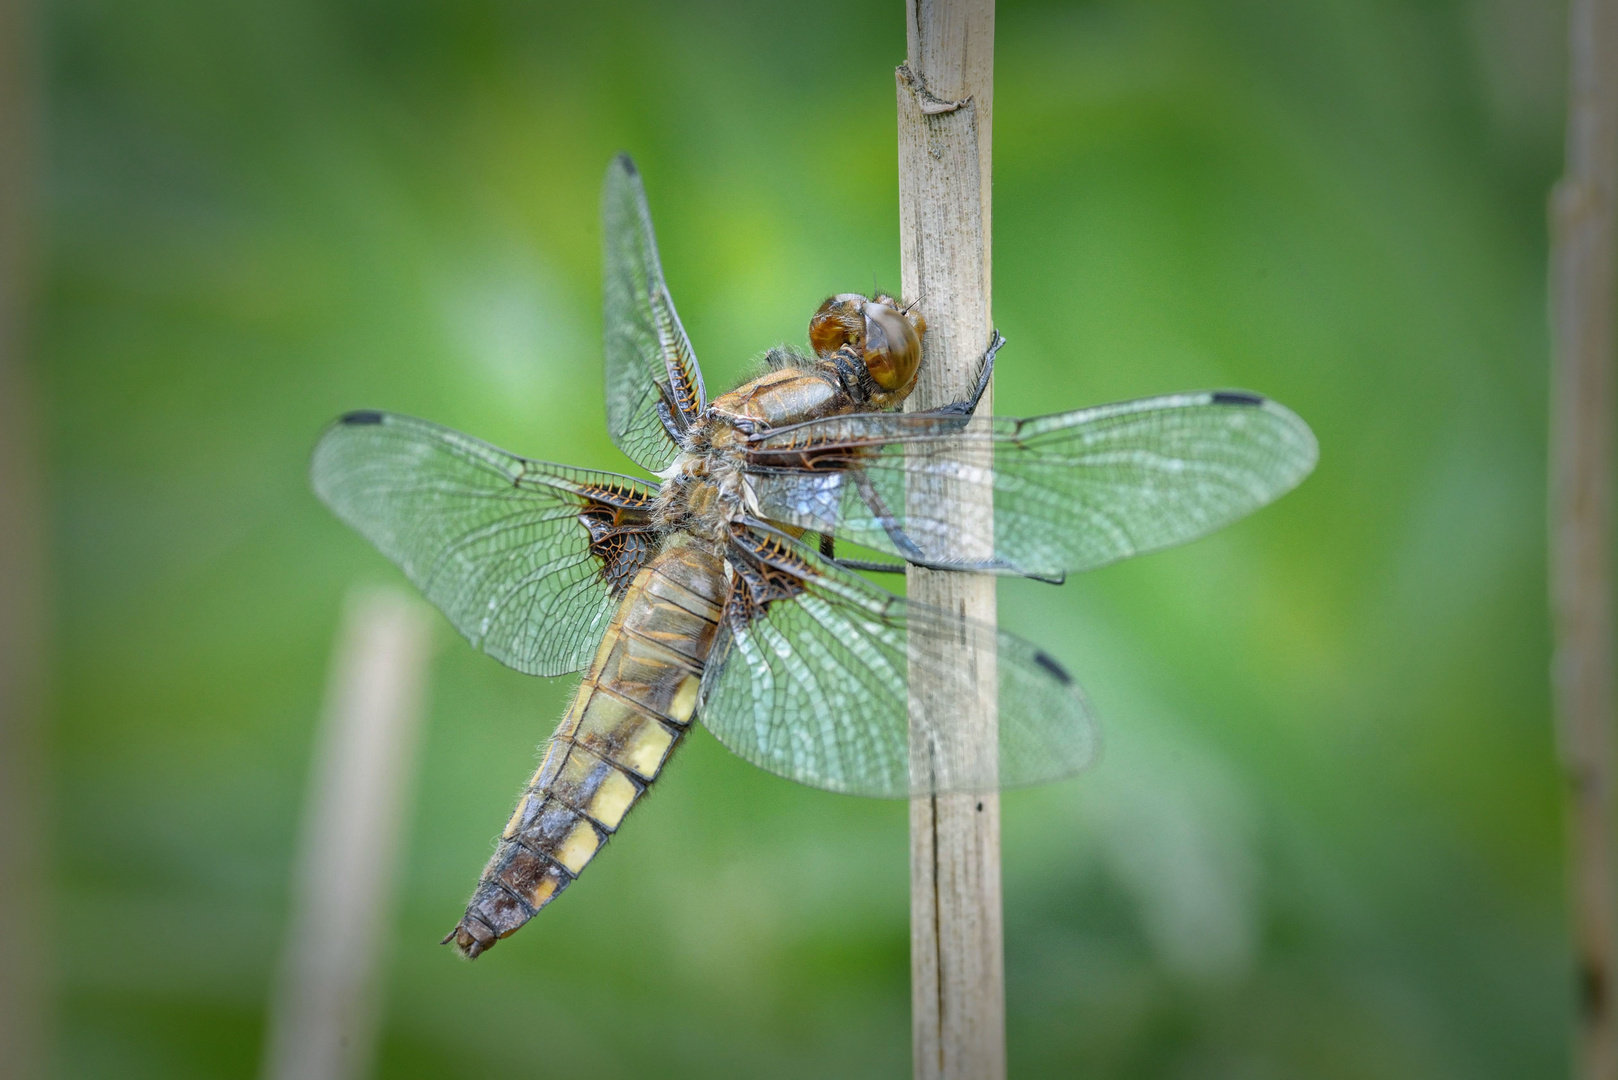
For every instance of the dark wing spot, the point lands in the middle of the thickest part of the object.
(1236, 397)
(1044, 660)
(364, 416)
(626, 163)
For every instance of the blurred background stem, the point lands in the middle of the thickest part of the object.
(1581, 480)
(325, 1014)
(23, 988)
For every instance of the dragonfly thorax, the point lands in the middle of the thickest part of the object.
(782, 397)
(703, 493)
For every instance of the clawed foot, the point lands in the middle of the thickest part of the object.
(967, 406)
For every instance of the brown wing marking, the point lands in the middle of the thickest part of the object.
(622, 538)
(685, 387)
(767, 569)
(618, 518)
(804, 450)
(624, 496)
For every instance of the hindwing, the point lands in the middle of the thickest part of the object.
(524, 557)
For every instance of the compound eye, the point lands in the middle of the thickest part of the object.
(839, 321)
(892, 347)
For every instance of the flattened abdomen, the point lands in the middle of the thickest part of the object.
(635, 703)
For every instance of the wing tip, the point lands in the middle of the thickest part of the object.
(324, 447)
(621, 160)
(1247, 399)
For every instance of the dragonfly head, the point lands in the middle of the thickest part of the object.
(886, 335)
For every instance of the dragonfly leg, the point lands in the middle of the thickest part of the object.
(913, 554)
(871, 565)
(969, 404)
(828, 551)
(890, 525)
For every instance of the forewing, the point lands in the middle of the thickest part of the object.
(496, 541)
(1071, 491)
(645, 343)
(816, 689)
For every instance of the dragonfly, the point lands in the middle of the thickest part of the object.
(715, 592)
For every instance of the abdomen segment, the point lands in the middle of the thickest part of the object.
(633, 706)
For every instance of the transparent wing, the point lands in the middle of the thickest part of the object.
(1070, 491)
(816, 689)
(650, 363)
(499, 543)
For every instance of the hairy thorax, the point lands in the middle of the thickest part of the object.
(705, 491)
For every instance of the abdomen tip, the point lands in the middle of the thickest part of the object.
(465, 944)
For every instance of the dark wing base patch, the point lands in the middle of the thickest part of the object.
(622, 546)
(767, 570)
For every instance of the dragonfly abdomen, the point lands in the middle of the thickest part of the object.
(633, 706)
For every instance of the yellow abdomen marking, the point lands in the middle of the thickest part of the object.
(612, 799)
(685, 700)
(579, 846)
(645, 751)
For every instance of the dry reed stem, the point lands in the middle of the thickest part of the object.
(945, 93)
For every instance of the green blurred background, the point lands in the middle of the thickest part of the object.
(1324, 840)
